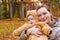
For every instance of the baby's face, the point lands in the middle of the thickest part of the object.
(31, 19)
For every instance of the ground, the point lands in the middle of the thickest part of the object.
(7, 27)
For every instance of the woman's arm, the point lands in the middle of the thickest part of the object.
(46, 29)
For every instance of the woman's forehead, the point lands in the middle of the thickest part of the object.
(42, 9)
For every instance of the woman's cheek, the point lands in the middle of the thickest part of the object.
(47, 19)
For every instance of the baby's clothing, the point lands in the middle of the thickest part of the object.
(34, 31)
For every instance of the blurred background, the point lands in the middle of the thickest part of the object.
(13, 13)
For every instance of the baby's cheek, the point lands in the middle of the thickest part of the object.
(29, 22)
(33, 21)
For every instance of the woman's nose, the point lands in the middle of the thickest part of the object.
(42, 16)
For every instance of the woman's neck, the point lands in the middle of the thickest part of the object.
(52, 22)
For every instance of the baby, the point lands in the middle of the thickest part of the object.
(32, 18)
(36, 32)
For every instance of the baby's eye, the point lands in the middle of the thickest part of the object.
(28, 20)
(31, 19)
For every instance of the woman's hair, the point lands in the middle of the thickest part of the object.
(43, 5)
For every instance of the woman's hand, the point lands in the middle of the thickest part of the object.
(34, 31)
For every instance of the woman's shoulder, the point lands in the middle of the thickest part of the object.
(58, 21)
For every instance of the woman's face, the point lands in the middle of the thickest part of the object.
(44, 15)
(31, 19)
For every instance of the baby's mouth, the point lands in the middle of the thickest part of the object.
(31, 23)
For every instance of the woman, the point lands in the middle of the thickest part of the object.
(45, 16)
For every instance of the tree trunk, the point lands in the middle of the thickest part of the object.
(0, 12)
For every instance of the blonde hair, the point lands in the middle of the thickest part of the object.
(33, 13)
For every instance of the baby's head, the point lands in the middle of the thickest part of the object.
(31, 16)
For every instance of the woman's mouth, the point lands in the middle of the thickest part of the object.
(44, 20)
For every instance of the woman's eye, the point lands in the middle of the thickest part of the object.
(39, 15)
(44, 13)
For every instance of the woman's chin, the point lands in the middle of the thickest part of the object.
(45, 21)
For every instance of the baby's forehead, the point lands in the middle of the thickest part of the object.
(30, 16)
